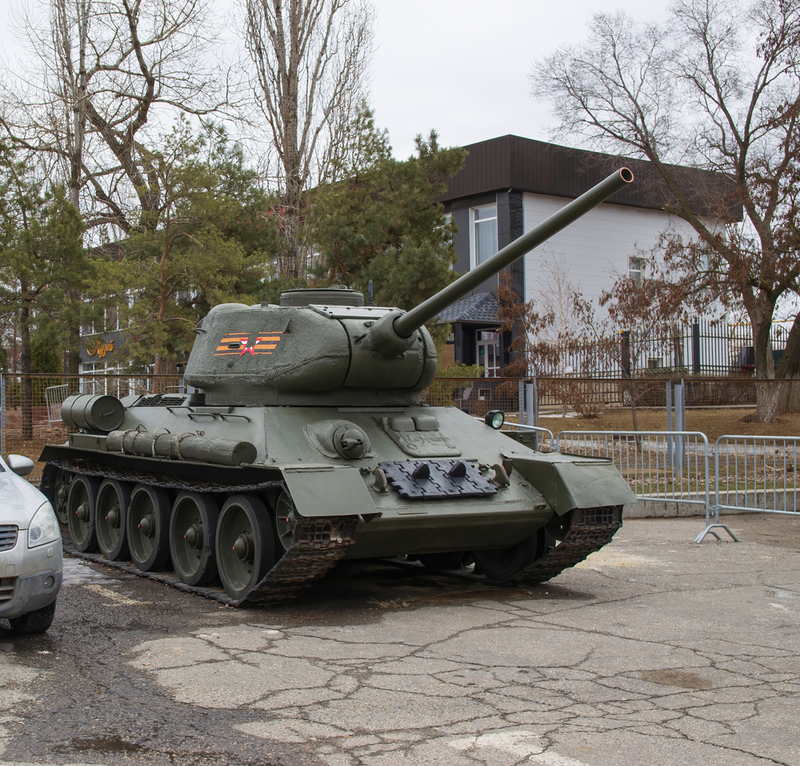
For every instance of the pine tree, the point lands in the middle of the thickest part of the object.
(43, 265)
(381, 223)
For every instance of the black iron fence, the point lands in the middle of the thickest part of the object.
(698, 347)
(712, 405)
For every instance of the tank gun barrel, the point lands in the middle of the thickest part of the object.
(405, 324)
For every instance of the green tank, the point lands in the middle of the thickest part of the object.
(304, 442)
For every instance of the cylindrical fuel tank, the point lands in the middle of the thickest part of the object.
(96, 413)
(185, 446)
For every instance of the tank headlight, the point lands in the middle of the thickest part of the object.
(43, 528)
(495, 419)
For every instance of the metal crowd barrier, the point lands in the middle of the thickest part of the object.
(53, 398)
(755, 473)
(544, 436)
(658, 465)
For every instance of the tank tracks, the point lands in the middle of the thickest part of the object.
(590, 530)
(319, 543)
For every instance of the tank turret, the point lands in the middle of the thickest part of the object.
(324, 346)
(307, 444)
(316, 347)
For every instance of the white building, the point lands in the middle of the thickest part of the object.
(510, 184)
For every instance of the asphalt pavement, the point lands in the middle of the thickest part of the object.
(655, 650)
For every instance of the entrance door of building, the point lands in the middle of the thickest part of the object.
(488, 346)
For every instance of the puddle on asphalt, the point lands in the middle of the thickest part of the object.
(77, 572)
(680, 678)
(113, 744)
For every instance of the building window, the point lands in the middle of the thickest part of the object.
(488, 348)
(483, 242)
(636, 269)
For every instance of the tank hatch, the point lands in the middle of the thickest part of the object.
(419, 436)
(328, 296)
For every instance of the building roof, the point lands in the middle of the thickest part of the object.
(512, 162)
(481, 308)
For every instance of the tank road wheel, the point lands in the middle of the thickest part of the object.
(245, 544)
(192, 535)
(285, 522)
(60, 492)
(148, 527)
(500, 566)
(81, 504)
(113, 498)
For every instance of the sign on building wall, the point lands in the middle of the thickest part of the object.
(97, 349)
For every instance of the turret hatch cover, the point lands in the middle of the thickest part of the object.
(350, 312)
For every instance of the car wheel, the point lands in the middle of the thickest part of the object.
(37, 621)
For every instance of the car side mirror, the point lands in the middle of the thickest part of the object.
(20, 464)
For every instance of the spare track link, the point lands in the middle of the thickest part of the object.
(319, 543)
(591, 529)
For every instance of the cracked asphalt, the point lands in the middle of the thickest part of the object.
(655, 650)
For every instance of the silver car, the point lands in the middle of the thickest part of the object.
(30, 550)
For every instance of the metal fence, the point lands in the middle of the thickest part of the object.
(658, 465)
(756, 473)
(700, 346)
(30, 406)
(750, 473)
(713, 406)
(476, 396)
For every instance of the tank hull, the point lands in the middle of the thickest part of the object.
(413, 481)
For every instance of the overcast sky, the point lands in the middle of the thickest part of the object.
(459, 66)
(462, 66)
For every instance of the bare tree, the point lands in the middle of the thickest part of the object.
(564, 337)
(105, 70)
(310, 58)
(716, 86)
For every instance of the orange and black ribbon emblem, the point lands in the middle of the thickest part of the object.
(239, 344)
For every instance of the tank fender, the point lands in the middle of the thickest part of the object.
(572, 481)
(324, 490)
